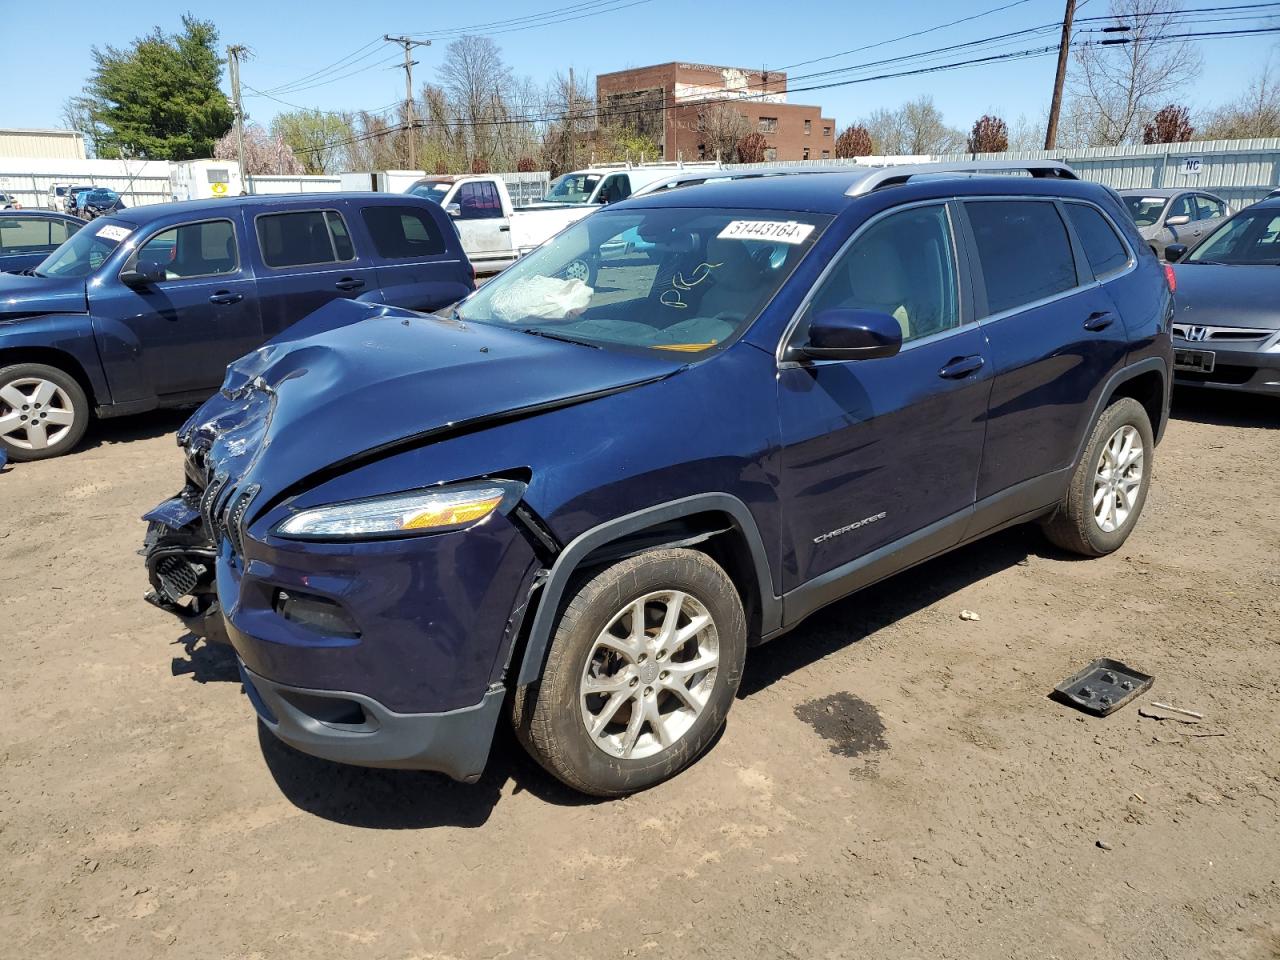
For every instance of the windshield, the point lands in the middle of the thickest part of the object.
(433, 190)
(1248, 237)
(572, 188)
(85, 251)
(664, 279)
(1145, 210)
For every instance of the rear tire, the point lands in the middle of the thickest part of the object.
(1109, 486)
(43, 412)
(642, 670)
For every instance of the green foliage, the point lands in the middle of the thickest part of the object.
(311, 134)
(159, 99)
(619, 143)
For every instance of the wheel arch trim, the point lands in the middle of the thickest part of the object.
(578, 549)
(1108, 392)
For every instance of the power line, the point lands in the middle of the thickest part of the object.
(1029, 53)
(577, 11)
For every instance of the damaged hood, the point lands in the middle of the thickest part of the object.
(24, 295)
(1228, 295)
(355, 379)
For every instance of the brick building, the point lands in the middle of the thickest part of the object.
(666, 102)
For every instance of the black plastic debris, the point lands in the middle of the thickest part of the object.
(1102, 687)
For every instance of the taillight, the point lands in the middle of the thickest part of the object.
(1170, 278)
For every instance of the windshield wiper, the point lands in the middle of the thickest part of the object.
(563, 338)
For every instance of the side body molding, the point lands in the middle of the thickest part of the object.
(579, 548)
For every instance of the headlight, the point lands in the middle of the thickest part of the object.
(402, 514)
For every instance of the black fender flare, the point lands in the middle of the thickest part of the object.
(568, 560)
(1146, 365)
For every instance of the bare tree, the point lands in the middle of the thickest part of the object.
(854, 141)
(1116, 89)
(720, 127)
(1171, 124)
(989, 135)
(565, 143)
(475, 77)
(1026, 134)
(914, 128)
(1255, 114)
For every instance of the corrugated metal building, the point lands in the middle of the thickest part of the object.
(42, 144)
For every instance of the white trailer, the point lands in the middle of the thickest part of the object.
(205, 179)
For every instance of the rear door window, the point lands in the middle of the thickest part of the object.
(205, 249)
(1182, 207)
(1024, 251)
(303, 238)
(403, 232)
(30, 234)
(1102, 247)
(1207, 208)
(479, 200)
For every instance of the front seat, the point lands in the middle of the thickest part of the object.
(736, 279)
(878, 281)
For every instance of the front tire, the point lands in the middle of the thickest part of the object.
(1109, 486)
(642, 670)
(43, 411)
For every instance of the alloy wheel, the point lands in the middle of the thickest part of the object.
(1117, 479)
(34, 413)
(649, 675)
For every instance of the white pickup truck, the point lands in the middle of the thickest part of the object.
(494, 233)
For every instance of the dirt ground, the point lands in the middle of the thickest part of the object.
(893, 781)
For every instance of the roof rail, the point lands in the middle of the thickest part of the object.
(894, 176)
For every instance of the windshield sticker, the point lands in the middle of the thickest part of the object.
(112, 232)
(778, 231)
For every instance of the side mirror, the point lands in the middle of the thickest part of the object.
(1175, 252)
(852, 335)
(1177, 221)
(454, 210)
(142, 276)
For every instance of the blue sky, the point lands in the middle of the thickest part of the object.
(292, 40)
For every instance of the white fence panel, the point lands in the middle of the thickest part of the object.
(301, 183)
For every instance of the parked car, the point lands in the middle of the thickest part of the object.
(494, 233)
(101, 202)
(28, 236)
(611, 183)
(1226, 332)
(145, 308)
(73, 197)
(590, 502)
(57, 197)
(9, 202)
(1166, 216)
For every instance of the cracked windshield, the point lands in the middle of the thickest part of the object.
(667, 279)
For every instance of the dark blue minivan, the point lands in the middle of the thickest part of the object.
(146, 307)
(588, 489)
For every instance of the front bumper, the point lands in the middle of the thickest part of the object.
(355, 729)
(1244, 371)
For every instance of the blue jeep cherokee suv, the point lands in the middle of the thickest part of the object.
(587, 500)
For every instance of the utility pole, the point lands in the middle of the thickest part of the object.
(408, 43)
(573, 123)
(235, 53)
(1064, 50)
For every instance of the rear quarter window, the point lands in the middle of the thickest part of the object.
(1102, 248)
(303, 238)
(401, 233)
(1023, 249)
